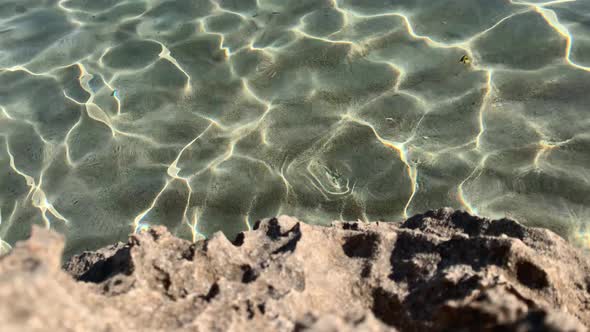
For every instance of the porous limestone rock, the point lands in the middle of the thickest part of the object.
(443, 270)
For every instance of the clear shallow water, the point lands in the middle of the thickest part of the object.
(208, 115)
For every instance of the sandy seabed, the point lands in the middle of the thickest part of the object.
(205, 115)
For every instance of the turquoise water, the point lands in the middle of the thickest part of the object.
(206, 115)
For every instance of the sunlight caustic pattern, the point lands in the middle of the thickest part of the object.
(208, 115)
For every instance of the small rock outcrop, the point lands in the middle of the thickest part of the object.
(443, 270)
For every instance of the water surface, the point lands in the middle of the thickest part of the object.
(206, 115)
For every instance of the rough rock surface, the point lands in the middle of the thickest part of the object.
(441, 271)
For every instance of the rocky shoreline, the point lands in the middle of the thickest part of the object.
(443, 270)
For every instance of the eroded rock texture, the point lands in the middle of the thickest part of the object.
(441, 271)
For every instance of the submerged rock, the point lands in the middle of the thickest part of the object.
(443, 270)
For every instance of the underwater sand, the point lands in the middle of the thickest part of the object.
(206, 115)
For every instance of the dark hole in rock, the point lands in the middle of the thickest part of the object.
(256, 225)
(118, 263)
(273, 293)
(535, 320)
(239, 240)
(213, 292)
(361, 245)
(507, 227)
(164, 277)
(274, 229)
(473, 251)
(291, 245)
(304, 323)
(531, 275)
(277, 294)
(388, 308)
(155, 234)
(249, 274)
(261, 308)
(117, 285)
(351, 226)
(205, 245)
(250, 310)
(366, 272)
(189, 253)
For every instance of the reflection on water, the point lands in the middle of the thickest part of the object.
(206, 115)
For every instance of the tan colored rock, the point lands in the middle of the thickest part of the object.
(440, 271)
